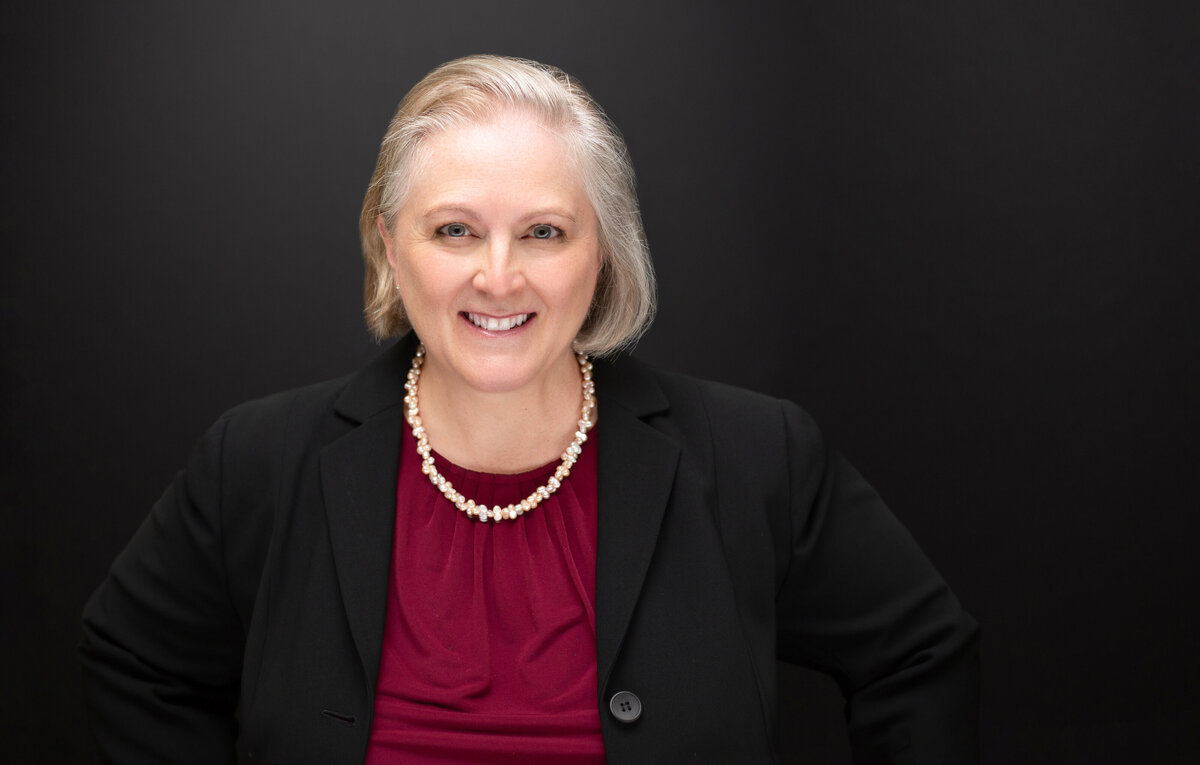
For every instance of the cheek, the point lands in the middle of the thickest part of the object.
(418, 289)
(593, 274)
(589, 286)
(424, 276)
(583, 288)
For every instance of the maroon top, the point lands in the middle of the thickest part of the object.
(489, 648)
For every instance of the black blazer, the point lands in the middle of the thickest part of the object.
(728, 536)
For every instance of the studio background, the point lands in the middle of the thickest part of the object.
(962, 235)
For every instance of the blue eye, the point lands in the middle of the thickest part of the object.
(544, 231)
(454, 230)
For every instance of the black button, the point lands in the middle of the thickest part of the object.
(625, 706)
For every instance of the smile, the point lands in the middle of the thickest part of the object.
(498, 325)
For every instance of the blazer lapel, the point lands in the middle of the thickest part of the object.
(637, 466)
(358, 476)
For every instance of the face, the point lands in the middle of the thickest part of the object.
(496, 251)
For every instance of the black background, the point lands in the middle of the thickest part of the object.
(961, 234)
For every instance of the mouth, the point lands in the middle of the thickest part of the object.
(494, 324)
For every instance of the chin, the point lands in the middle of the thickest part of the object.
(497, 374)
(501, 368)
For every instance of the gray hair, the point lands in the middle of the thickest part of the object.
(471, 90)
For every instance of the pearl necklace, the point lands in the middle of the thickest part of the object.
(480, 511)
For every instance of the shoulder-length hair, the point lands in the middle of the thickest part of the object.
(470, 91)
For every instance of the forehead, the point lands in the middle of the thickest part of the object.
(511, 155)
(505, 133)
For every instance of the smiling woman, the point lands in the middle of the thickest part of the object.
(457, 555)
(472, 92)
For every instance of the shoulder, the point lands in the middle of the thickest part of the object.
(283, 411)
(683, 399)
(316, 414)
(238, 464)
(250, 439)
(759, 459)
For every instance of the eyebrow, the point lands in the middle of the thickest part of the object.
(464, 211)
(557, 211)
(469, 213)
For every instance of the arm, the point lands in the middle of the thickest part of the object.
(162, 643)
(861, 602)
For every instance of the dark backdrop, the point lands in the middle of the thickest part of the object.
(961, 234)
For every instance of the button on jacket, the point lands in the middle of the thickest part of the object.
(250, 605)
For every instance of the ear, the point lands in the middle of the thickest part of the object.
(388, 244)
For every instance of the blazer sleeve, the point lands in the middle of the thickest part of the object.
(861, 602)
(162, 643)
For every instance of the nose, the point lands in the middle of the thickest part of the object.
(499, 273)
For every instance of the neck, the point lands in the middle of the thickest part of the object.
(501, 432)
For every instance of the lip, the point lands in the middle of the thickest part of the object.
(509, 332)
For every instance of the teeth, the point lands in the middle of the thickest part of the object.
(496, 325)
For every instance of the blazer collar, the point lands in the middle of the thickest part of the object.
(359, 472)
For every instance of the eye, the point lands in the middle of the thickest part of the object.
(544, 231)
(454, 230)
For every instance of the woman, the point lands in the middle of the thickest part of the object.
(405, 565)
